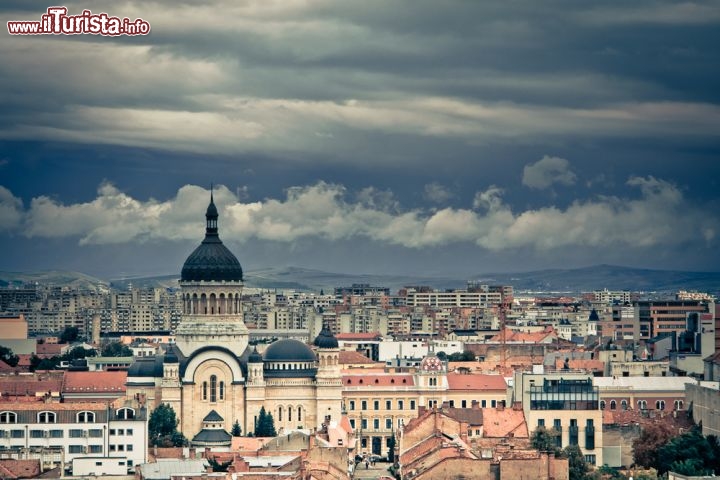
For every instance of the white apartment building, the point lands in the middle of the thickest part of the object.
(76, 430)
(455, 298)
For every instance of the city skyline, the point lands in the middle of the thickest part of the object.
(404, 138)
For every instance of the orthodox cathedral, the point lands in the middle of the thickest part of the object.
(211, 376)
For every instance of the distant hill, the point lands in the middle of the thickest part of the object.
(52, 277)
(553, 280)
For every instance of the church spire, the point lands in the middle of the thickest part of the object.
(211, 217)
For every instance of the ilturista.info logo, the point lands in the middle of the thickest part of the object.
(57, 22)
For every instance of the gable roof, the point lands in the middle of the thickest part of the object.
(94, 382)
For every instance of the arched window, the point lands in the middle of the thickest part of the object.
(624, 404)
(125, 414)
(290, 414)
(213, 388)
(204, 391)
(86, 417)
(280, 409)
(613, 405)
(642, 404)
(222, 390)
(660, 405)
(678, 404)
(46, 417)
(299, 413)
(602, 404)
(8, 417)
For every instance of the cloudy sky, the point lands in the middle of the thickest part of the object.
(414, 136)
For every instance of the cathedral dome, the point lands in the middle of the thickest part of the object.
(325, 339)
(289, 351)
(211, 260)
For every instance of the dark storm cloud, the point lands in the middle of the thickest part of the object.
(410, 106)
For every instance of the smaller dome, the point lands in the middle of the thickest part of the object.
(325, 339)
(431, 363)
(289, 350)
(255, 357)
(170, 355)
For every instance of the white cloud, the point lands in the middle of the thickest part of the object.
(10, 210)
(659, 216)
(437, 193)
(547, 171)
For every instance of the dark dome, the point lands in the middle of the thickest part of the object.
(211, 261)
(170, 355)
(325, 339)
(289, 351)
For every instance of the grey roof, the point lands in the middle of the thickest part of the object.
(211, 260)
(208, 436)
(147, 367)
(164, 467)
(213, 416)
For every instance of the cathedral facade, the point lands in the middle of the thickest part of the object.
(213, 378)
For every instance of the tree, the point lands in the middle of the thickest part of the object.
(545, 440)
(689, 452)
(236, 430)
(265, 426)
(7, 356)
(217, 466)
(577, 466)
(647, 445)
(69, 335)
(78, 353)
(162, 427)
(116, 349)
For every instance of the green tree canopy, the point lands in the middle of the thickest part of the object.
(116, 349)
(265, 426)
(466, 356)
(7, 356)
(545, 440)
(162, 427)
(236, 430)
(69, 335)
(577, 466)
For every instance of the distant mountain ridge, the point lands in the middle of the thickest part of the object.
(575, 280)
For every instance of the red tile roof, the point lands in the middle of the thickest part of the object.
(353, 357)
(51, 406)
(94, 382)
(32, 385)
(12, 469)
(458, 381)
(378, 380)
(506, 422)
(49, 349)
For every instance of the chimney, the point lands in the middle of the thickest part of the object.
(475, 405)
(501, 405)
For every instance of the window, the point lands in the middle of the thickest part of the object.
(46, 417)
(602, 404)
(17, 433)
(363, 424)
(129, 447)
(388, 423)
(129, 431)
(8, 417)
(112, 431)
(204, 391)
(483, 404)
(642, 404)
(56, 434)
(86, 417)
(590, 459)
(589, 434)
(352, 423)
(613, 405)
(493, 403)
(75, 449)
(290, 414)
(624, 404)
(76, 433)
(463, 404)
(352, 404)
(363, 405)
(213, 388)
(112, 448)
(280, 412)
(376, 423)
(401, 404)
(126, 414)
(95, 433)
(376, 405)
(452, 403)
(222, 390)
(541, 422)
(412, 404)
(96, 449)
(660, 405)
(388, 404)
(121, 431)
(573, 432)
(678, 404)
(37, 433)
(299, 414)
